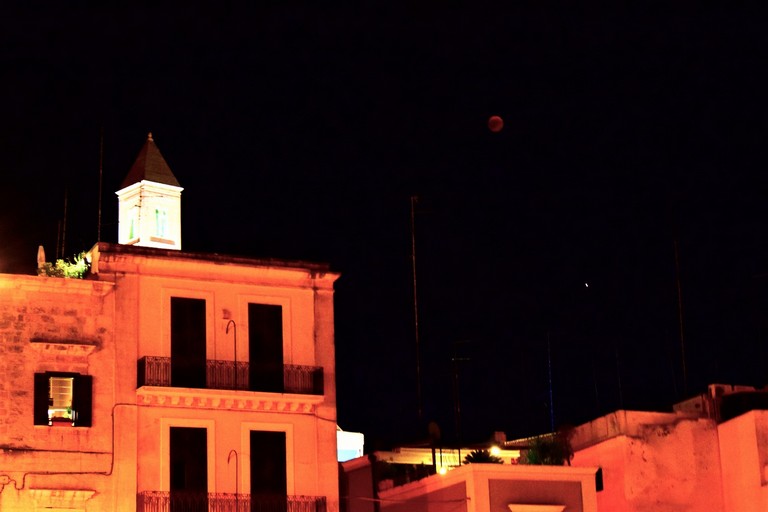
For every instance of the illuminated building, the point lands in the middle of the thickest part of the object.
(710, 453)
(497, 487)
(349, 445)
(168, 380)
(420, 479)
(149, 202)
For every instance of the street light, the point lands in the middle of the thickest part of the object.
(237, 473)
(226, 331)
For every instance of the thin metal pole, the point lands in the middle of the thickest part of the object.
(618, 377)
(226, 331)
(456, 389)
(237, 475)
(594, 380)
(457, 398)
(101, 174)
(680, 318)
(64, 226)
(551, 399)
(457, 405)
(416, 308)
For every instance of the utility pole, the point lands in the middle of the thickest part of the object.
(680, 318)
(414, 199)
(456, 394)
(551, 398)
(101, 173)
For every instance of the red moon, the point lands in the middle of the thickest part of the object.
(495, 124)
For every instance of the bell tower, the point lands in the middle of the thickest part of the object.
(149, 202)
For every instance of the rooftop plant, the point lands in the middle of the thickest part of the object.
(77, 268)
(551, 450)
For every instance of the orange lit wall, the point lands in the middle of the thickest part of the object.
(653, 462)
(744, 461)
(228, 285)
(64, 325)
(494, 487)
(101, 326)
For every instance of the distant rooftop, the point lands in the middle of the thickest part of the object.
(107, 247)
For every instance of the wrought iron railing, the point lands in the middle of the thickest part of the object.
(226, 374)
(156, 371)
(186, 501)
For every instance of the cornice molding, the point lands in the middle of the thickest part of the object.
(248, 401)
(73, 348)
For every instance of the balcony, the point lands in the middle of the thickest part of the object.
(157, 501)
(157, 371)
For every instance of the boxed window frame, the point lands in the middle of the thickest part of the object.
(82, 399)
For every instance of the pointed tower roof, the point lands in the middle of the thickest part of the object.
(151, 166)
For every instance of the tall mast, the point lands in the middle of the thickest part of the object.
(680, 317)
(101, 163)
(416, 308)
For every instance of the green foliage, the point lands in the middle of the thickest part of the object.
(482, 456)
(550, 451)
(62, 268)
(400, 474)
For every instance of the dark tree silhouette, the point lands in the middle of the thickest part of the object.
(482, 456)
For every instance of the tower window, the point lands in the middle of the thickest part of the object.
(161, 222)
(133, 223)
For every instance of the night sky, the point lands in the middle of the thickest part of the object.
(303, 131)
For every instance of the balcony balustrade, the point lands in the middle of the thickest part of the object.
(156, 371)
(186, 501)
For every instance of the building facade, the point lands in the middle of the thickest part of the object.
(168, 380)
(710, 454)
(497, 488)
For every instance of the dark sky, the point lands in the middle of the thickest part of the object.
(302, 132)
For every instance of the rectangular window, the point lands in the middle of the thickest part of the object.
(268, 470)
(60, 399)
(189, 469)
(63, 399)
(188, 339)
(161, 222)
(265, 347)
(133, 228)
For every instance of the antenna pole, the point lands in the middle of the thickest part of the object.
(680, 317)
(551, 398)
(64, 226)
(618, 376)
(101, 169)
(416, 307)
(58, 240)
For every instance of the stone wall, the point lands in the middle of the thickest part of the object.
(654, 462)
(55, 325)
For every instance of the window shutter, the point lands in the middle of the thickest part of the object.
(40, 408)
(82, 400)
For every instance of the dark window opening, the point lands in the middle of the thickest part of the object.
(188, 342)
(189, 469)
(63, 399)
(265, 347)
(269, 488)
